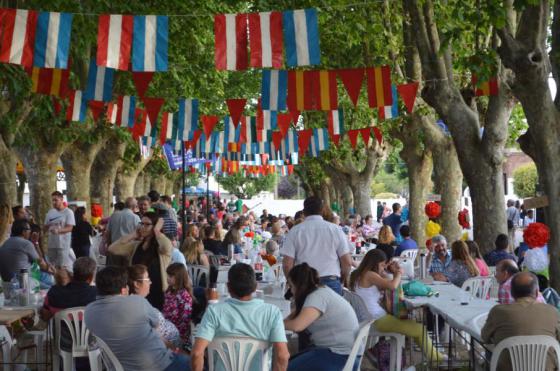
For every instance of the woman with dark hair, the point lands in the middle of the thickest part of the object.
(139, 284)
(368, 281)
(326, 315)
(81, 233)
(148, 246)
(179, 301)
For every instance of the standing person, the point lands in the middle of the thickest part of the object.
(512, 214)
(231, 205)
(128, 325)
(148, 246)
(379, 211)
(529, 218)
(81, 233)
(166, 200)
(522, 318)
(327, 316)
(239, 206)
(144, 205)
(320, 244)
(59, 222)
(123, 222)
(394, 220)
(178, 304)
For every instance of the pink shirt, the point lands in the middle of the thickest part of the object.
(482, 267)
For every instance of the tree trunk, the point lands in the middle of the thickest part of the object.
(139, 185)
(22, 180)
(40, 167)
(104, 171)
(448, 181)
(77, 161)
(147, 183)
(125, 184)
(361, 190)
(525, 52)
(8, 186)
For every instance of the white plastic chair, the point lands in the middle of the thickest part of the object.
(237, 353)
(479, 287)
(73, 318)
(359, 346)
(396, 341)
(197, 272)
(7, 343)
(409, 254)
(527, 353)
(108, 358)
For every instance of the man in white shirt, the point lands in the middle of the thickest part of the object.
(320, 244)
(59, 223)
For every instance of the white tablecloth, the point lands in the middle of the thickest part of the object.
(448, 305)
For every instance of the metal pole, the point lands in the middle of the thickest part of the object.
(183, 181)
(207, 193)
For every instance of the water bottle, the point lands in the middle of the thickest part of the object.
(422, 266)
(259, 268)
(24, 284)
(231, 251)
(13, 290)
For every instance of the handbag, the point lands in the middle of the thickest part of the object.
(417, 288)
(394, 303)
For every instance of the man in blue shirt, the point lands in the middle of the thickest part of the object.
(407, 242)
(242, 316)
(394, 220)
(440, 258)
(501, 251)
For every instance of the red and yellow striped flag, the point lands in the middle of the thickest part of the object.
(487, 88)
(49, 81)
(325, 92)
(379, 86)
(312, 90)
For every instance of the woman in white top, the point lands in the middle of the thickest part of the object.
(369, 281)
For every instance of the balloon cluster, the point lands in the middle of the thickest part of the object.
(536, 235)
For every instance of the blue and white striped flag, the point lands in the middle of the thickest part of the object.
(188, 117)
(231, 133)
(99, 83)
(149, 43)
(301, 36)
(126, 110)
(319, 142)
(52, 40)
(274, 89)
(289, 144)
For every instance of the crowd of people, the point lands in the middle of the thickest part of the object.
(144, 303)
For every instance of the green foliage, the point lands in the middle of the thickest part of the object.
(385, 195)
(525, 180)
(517, 126)
(244, 187)
(388, 182)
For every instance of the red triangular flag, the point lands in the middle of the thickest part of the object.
(366, 133)
(236, 107)
(208, 124)
(56, 105)
(353, 79)
(408, 94)
(295, 116)
(378, 135)
(284, 123)
(264, 158)
(153, 106)
(304, 139)
(96, 108)
(277, 139)
(290, 169)
(142, 81)
(335, 139)
(353, 136)
(196, 136)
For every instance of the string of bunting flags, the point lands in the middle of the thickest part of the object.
(40, 42)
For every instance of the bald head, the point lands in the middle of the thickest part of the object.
(130, 203)
(524, 285)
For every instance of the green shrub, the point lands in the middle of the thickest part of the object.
(525, 180)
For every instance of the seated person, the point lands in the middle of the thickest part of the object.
(128, 325)
(386, 242)
(212, 243)
(407, 242)
(505, 270)
(501, 251)
(370, 281)
(329, 318)
(505, 321)
(77, 293)
(462, 266)
(271, 252)
(242, 316)
(17, 253)
(440, 258)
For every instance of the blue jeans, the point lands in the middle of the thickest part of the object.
(333, 284)
(319, 359)
(180, 362)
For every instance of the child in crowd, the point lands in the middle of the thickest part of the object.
(179, 301)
